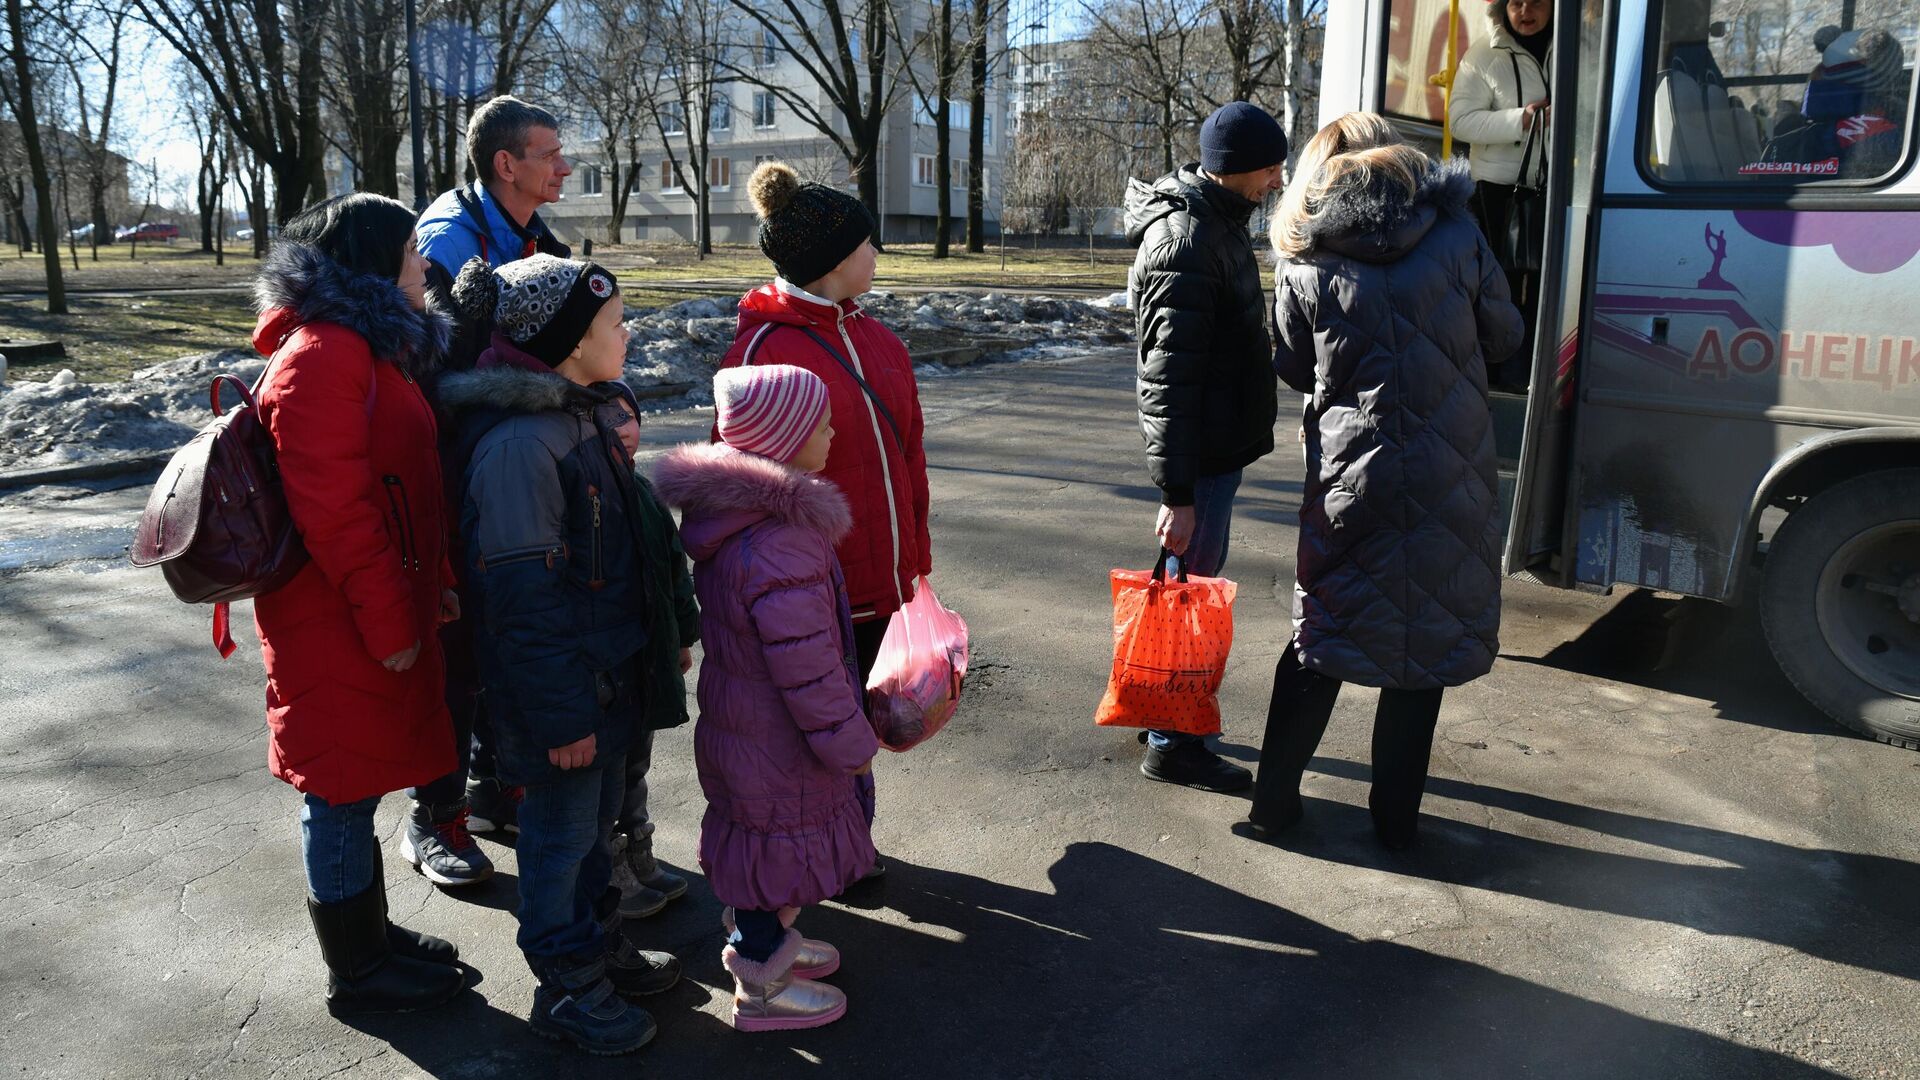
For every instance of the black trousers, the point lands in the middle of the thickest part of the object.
(1490, 204)
(867, 637)
(1297, 718)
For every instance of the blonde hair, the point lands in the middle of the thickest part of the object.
(1348, 153)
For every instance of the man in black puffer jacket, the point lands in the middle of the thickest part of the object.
(1207, 391)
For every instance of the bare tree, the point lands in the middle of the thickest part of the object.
(692, 95)
(210, 180)
(95, 54)
(935, 45)
(844, 52)
(1140, 57)
(19, 87)
(262, 62)
(609, 67)
(366, 47)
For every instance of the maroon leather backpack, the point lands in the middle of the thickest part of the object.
(217, 523)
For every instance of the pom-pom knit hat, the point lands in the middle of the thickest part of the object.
(768, 409)
(806, 229)
(541, 303)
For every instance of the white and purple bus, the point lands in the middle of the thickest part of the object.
(1725, 399)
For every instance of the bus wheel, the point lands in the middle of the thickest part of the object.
(1841, 603)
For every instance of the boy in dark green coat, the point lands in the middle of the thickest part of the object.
(673, 625)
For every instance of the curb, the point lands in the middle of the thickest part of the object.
(85, 470)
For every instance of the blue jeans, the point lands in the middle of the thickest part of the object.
(337, 845)
(757, 934)
(565, 863)
(1206, 557)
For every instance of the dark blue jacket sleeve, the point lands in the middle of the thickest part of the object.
(518, 537)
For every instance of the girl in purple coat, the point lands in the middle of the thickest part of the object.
(783, 739)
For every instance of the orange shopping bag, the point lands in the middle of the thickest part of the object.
(1170, 645)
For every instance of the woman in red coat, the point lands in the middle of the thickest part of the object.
(821, 244)
(354, 700)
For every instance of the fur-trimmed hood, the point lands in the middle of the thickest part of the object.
(1381, 222)
(515, 391)
(721, 491)
(298, 285)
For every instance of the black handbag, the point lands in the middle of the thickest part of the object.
(1525, 233)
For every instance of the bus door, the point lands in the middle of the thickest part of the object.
(1384, 56)
(1750, 281)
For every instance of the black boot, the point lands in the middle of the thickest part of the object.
(1402, 745)
(634, 972)
(1297, 716)
(364, 973)
(410, 943)
(1191, 764)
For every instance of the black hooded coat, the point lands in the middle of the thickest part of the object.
(1388, 323)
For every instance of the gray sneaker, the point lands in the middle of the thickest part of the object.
(437, 843)
(648, 871)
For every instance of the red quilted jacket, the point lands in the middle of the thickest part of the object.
(884, 478)
(355, 441)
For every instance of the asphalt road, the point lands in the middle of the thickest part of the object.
(1643, 857)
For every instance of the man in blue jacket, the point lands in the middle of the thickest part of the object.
(517, 155)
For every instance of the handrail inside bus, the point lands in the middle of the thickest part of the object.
(1444, 79)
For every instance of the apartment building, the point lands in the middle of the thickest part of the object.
(750, 125)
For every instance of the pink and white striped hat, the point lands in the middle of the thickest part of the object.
(770, 409)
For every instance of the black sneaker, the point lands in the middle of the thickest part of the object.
(1191, 764)
(581, 1007)
(492, 806)
(437, 843)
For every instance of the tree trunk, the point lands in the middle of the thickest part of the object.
(976, 133)
(943, 134)
(36, 156)
(706, 188)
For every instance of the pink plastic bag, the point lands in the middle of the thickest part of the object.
(915, 685)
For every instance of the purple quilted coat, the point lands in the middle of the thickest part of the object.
(781, 727)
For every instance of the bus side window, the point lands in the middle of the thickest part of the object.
(1764, 93)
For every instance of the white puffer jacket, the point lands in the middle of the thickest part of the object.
(1487, 104)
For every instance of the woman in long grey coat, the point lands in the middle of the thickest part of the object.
(1390, 308)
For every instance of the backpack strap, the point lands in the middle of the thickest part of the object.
(893, 425)
(222, 619)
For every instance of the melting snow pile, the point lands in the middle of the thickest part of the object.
(671, 358)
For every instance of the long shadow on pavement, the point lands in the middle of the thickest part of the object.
(1847, 907)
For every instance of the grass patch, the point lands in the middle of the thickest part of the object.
(109, 338)
(653, 275)
(158, 266)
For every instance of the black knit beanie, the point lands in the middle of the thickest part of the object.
(1241, 137)
(806, 229)
(541, 303)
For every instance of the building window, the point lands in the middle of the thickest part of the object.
(959, 179)
(721, 116)
(590, 180)
(672, 182)
(763, 115)
(924, 173)
(673, 118)
(765, 55)
(720, 174)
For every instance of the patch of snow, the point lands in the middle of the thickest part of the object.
(673, 351)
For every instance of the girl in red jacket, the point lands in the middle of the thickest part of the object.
(821, 244)
(354, 702)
